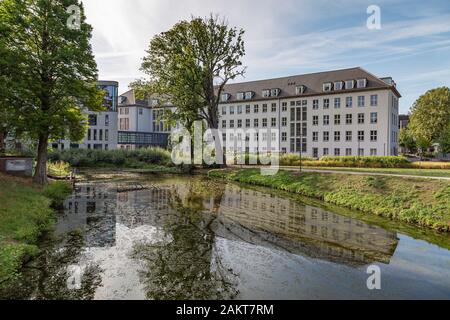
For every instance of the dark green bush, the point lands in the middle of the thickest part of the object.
(57, 192)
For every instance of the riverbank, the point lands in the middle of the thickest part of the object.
(416, 201)
(26, 212)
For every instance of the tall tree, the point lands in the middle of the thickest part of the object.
(192, 62)
(430, 116)
(56, 72)
(406, 140)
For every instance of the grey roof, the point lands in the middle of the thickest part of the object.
(313, 82)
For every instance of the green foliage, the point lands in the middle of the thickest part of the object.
(59, 169)
(444, 140)
(190, 64)
(57, 191)
(420, 202)
(406, 140)
(350, 162)
(113, 158)
(430, 116)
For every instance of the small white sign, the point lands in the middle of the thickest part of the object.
(16, 165)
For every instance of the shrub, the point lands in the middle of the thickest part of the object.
(57, 192)
(355, 162)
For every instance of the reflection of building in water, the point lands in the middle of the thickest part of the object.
(91, 208)
(296, 226)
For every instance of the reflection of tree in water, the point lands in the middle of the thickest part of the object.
(45, 277)
(187, 265)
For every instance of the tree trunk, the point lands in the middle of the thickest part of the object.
(40, 176)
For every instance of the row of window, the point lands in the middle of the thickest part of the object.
(348, 136)
(97, 135)
(248, 124)
(340, 152)
(326, 103)
(348, 119)
(93, 120)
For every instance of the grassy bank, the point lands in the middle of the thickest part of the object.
(415, 201)
(26, 212)
(395, 171)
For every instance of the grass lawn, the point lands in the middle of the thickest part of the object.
(416, 201)
(409, 172)
(25, 213)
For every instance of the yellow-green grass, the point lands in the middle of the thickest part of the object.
(419, 202)
(401, 171)
(25, 213)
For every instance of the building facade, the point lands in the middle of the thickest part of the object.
(338, 113)
(102, 132)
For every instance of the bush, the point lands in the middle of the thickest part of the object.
(112, 158)
(352, 162)
(57, 192)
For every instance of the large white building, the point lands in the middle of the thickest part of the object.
(102, 131)
(340, 113)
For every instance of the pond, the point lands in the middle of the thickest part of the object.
(194, 238)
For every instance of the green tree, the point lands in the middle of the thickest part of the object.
(430, 115)
(192, 62)
(55, 71)
(444, 140)
(406, 140)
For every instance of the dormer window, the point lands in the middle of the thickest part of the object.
(155, 102)
(266, 93)
(240, 95)
(300, 89)
(225, 97)
(249, 95)
(361, 83)
(327, 87)
(338, 85)
(349, 84)
(275, 92)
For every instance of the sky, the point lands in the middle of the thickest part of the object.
(290, 37)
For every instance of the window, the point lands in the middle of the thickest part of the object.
(374, 100)
(231, 123)
(239, 123)
(326, 103)
(328, 86)
(225, 97)
(249, 95)
(224, 123)
(124, 124)
(348, 118)
(337, 103)
(326, 136)
(315, 136)
(92, 119)
(348, 136)
(337, 136)
(374, 118)
(326, 120)
(361, 83)
(315, 152)
(337, 152)
(273, 122)
(348, 152)
(89, 134)
(266, 93)
(292, 103)
(360, 152)
(232, 110)
(239, 109)
(95, 135)
(264, 123)
(100, 135)
(349, 102)
(300, 89)
(240, 95)
(106, 135)
(338, 85)
(107, 120)
(316, 104)
(315, 120)
(361, 118)
(284, 122)
(361, 101)
(275, 92)
(373, 152)
(349, 84)
(247, 123)
(256, 123)
(360, 136)
(326, 151)
(284, 106)
(373, 136)
(256, 108)
(224, 111)
(264, 108)
(274, 107)
(141, 111)
(337, 119)
(284, 136)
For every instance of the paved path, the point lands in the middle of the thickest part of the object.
(359, 173)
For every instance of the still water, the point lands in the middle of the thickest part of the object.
(195, 238)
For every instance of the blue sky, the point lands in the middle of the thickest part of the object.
(290, 37)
